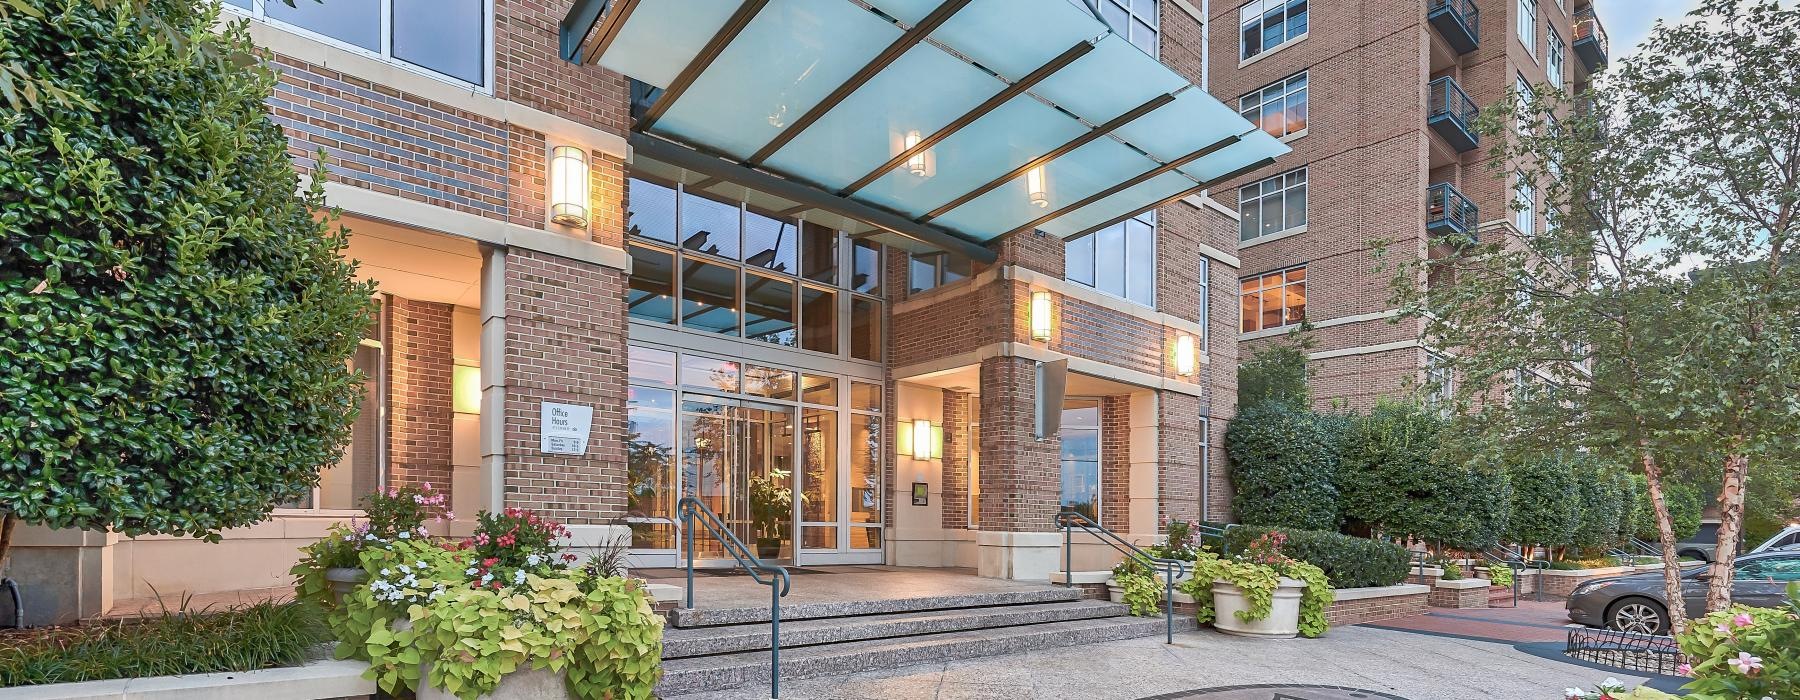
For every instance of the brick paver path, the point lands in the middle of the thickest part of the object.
(1532, 621)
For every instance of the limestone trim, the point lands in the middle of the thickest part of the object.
(1343, 594)
(1032, 352)
(405, 212)
(381, 72)
(1327, 323)
(1365, 350)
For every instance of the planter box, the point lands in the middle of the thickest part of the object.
(1460, 593)
(1283, 621)
(523, 684)
(319, 679)
(1356, 606)
(1558, 583)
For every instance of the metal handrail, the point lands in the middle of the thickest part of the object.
(1068, 520)
(777, 580)
(1518, 563)
(1587, 26)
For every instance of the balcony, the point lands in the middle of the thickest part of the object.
(1458, 21)
(1452, 114)
(1448, 213)
(1590, 40)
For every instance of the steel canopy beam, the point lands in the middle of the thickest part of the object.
(674, 154)
(1133, 182)
(577, 26)
(990, 104)
(880, 62)
(714, 46)
(1184, 194)
(1058, 152)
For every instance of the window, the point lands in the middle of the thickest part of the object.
(1205, 469)
(1266, 24)
(932, 270)
(1272, 206)
(1119, 259)
(1279, 109)
(1081, 457)
(360, 469)
(1133, 19)
(1205, 304)
(1440, 382)
(1773, 569)
(444, 37)
(974, 462)
(1524, 205)
(686, 270)
(1553, 57)
(1522, 121)
(1274, 300)
(1527, 28)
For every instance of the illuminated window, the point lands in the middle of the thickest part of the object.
(1280, 108)
(1274, 300)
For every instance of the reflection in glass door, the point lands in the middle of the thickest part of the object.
(1081, 457)
(738, 459)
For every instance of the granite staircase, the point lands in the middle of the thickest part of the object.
(715, 649)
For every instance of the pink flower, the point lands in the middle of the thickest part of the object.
(1684, 670)
(1722, 629)
(449, 515)
(1742, 620)
(1745, 663)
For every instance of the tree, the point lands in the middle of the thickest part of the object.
(1283, 466)
(177, 319)
(1278, 372)
(1602, 492)
(1546, 503)
(1575, 334)
(1399, 480)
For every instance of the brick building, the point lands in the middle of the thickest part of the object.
(923, 273)
(1393, 87)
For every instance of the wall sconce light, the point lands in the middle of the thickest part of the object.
(1186, 361)
(465, 389)
(920, 439)
(569, 186)
(1034, 187)
(916, 163)
(1040, 316)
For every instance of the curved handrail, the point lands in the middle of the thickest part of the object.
(777, 578)
(1068, 520)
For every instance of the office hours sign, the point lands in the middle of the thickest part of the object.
(564, 428)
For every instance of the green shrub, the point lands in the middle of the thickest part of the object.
(1603, 493)
(264, 635)
(1283, 466)
(174, 317)
(1349, 562)
(1745, 652)
(1277, 374)
(1685, 505)
(1397, 481)
(1546, 502)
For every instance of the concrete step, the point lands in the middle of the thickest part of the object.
(713, 617)
(704, 641)
(707, 673)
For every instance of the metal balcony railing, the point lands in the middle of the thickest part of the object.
(1448, 212)
(1458, 21)
(1590, 41)
(1451, 113)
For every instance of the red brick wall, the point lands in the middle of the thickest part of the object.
(1115, 462)
(1372, 610)
(1020, 475)
(419, 375)
(565, 342)
(1178, 455)
(956, 460)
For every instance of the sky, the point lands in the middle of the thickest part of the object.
(1628, 22)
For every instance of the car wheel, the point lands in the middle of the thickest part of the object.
(1639, 615)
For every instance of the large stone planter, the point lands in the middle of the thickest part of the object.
(523, 684)
(1283, 621)
(344, 580)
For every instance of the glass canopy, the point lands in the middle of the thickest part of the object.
(972, 117)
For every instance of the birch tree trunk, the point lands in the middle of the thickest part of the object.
(1731, 522)
(1665, 535)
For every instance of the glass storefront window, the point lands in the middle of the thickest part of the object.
(1081, 457)
(652, 295)
(819, 390)
(818, 255)
(865, 538)
(865, 396)
(818, 320)
(769, 310)
(650, 467)
(769, 382)
(865, 267)
(865, 329)
(819, 467)
(652, 211)
(865, 469)
(709, 226)
(706, 373)
(770, 243)
(814, 537)
(651, 366)
(709, 298)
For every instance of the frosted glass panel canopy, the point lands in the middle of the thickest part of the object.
(966, 118)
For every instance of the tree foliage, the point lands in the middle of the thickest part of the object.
(1278, 373)
(1399, 479)
(1546, 502)
(1283, 466)
(176, 318)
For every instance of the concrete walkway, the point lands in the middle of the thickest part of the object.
(1387, 662)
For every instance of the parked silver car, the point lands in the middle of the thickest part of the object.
(1635, 603)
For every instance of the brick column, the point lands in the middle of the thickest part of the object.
(956, 460)
(564, 342)
(419, 374)
(1021, 476)
(1178, 451)
(1115, 462)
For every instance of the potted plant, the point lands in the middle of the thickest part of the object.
(771, 510)
(393, 514)
(1260, 593)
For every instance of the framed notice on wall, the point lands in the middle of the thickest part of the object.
(564, 428)
(921, 494)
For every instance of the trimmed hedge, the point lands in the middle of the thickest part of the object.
(1283, 466)
(1350, 562)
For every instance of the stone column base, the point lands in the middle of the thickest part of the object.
(1020, 556)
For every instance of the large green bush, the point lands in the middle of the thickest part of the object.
(1277, 374)
(1283, 466)
(1349, 562)
(1546, 502)
(174, 318)
(1603, 504)
(1685, 506)
(1398, 481)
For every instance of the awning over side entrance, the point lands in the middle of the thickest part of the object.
(975, 118)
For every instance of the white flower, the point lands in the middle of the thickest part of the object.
(532, 559)
(518, 576)
(405, 535)
(471, 571)
(1573, 693)
(485, 578)
(421, 564)
(384, 572)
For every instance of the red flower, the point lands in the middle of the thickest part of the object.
(490, 561)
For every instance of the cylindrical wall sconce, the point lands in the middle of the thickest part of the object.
(1034, 187)
(1040, 316)
(1186, 360)
(915, 163)
(569, 186)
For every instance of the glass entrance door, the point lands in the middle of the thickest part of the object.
(738, 459)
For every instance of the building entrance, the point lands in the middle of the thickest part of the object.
(739, 459)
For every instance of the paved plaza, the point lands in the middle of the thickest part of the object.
(1385, 663)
